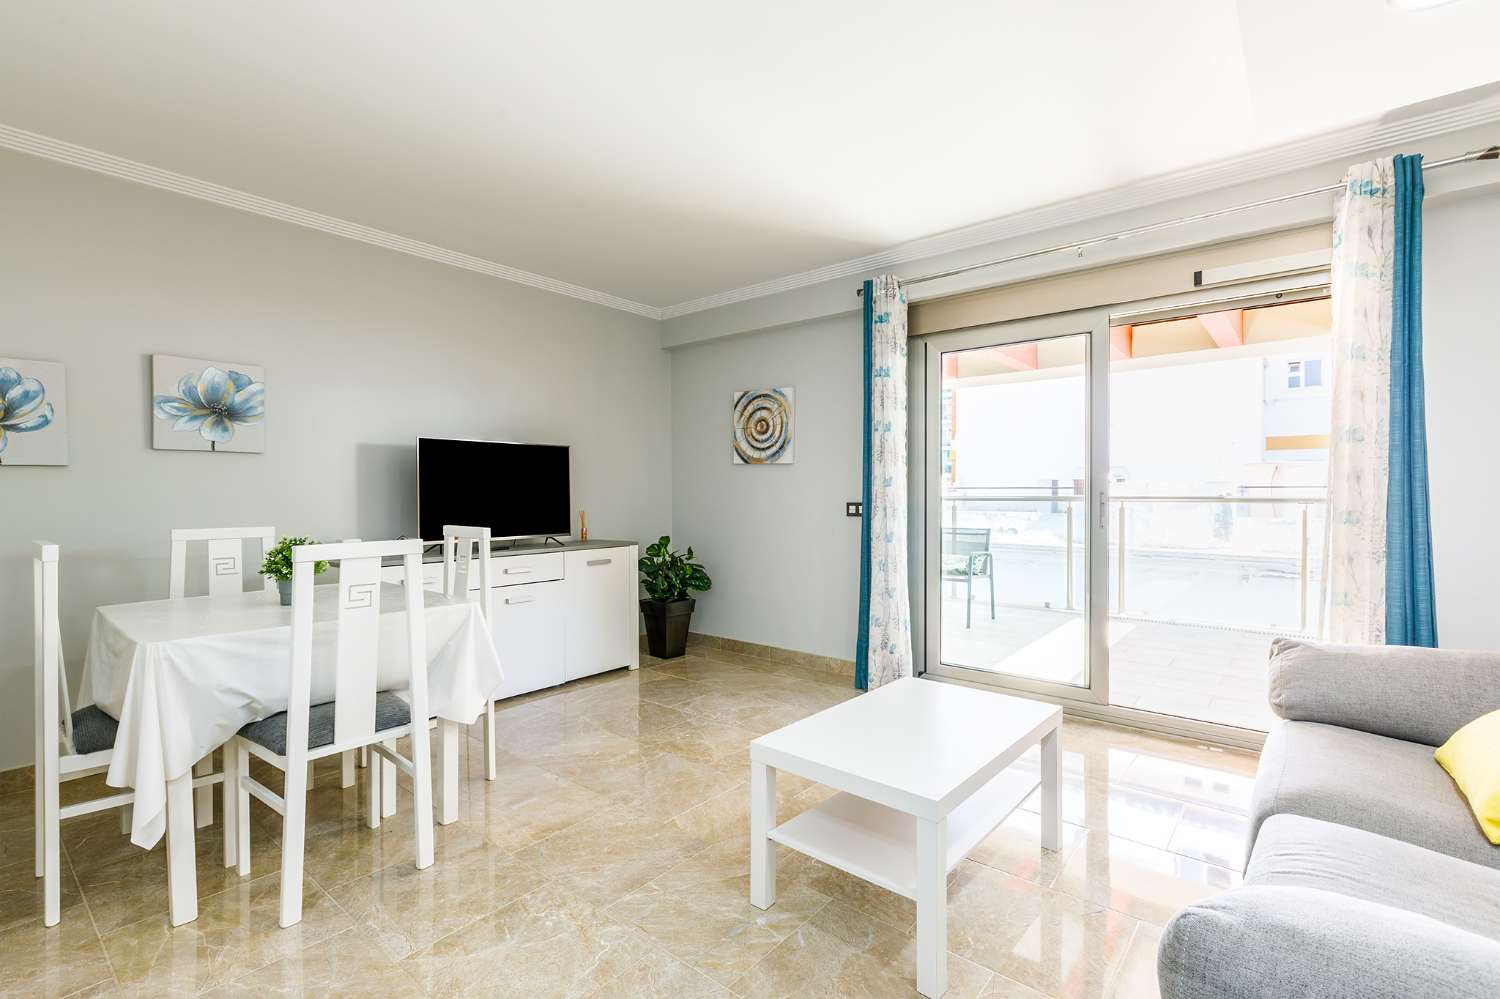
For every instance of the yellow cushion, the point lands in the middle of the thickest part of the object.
(1472, 759)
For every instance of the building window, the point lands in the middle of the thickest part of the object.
(1304, 374)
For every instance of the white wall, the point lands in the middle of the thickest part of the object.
(1461, 350)
(783, 556)
(363, 350)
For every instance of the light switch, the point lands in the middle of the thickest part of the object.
(854, 509)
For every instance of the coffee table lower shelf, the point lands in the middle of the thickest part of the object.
(879, 844)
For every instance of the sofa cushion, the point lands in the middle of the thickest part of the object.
(1370, 782)
(1293, 851)
(1275, 941)
(390, 712)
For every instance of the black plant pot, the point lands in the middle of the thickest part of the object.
(667, 626)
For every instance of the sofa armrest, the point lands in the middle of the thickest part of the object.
(1274, 942)
(1420, 695)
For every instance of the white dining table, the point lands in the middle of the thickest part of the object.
(183, 676)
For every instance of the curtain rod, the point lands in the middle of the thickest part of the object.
(1490, 153)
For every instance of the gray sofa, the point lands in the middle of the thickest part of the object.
(1367, 874)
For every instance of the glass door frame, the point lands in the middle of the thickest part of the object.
(1095, 324)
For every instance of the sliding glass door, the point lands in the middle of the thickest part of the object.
(1015, 554)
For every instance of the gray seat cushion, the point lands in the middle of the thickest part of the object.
(93, 730)
(390, 712)
(1382, 785)
(1293, 851)
(1327, 910)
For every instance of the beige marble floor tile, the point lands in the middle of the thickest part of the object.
(1191, 782)
(661, 785)
(347, 964)
(1015, 847)
(21, 893)
(348, 850)
(1127, 812)
(1145, 882)
(700, 910)
(607, 857)
(14, 780)
(525, 804)
(841, 953)
(548, 943)
(1213, 836)
(753, 712)
(407, 910)
(52, 961)
(1048, 940)
(661, 976)
(236, 932)
(727, 815)
(134, 888)
(1001, 987)
(670, 689)
(1136, 978)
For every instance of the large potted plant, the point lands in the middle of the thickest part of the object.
(278, 566)
(668, 577)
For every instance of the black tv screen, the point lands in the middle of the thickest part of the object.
(516, 490)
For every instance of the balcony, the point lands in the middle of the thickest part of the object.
(1197, 590)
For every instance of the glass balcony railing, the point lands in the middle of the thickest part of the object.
(1242, 561)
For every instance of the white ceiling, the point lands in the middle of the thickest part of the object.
(665, 150)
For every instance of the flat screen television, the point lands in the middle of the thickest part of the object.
(516, 490)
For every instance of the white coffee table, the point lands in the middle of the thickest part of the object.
(922, 767)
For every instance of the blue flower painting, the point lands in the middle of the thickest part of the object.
(207, 405)
(31, 407)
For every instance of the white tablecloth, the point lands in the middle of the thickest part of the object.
(182, 676)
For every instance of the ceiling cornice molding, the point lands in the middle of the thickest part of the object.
(46, 147)
(1346, 143)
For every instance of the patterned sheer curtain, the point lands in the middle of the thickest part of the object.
(1380, 587)
(884, 642)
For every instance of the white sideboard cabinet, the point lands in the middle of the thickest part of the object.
(560, 613)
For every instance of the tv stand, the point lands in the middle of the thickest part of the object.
(559, 611)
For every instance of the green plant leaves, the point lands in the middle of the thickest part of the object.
(669, 576)
(278, 560)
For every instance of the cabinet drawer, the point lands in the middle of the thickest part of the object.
(529, 637)
(512, 570)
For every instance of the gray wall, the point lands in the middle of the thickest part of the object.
(785, 560)
(363, 350)
(783, 556)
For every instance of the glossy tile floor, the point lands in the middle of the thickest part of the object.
(610, 859)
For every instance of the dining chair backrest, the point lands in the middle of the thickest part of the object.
(225, 559)
(53, 707)
(459, 564)
(357, 637)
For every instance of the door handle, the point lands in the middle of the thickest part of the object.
(516, 572)
(519, 600)
(600, 561)
(1103, 510)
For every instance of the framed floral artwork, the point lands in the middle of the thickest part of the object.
(33, 413)
(199, 405)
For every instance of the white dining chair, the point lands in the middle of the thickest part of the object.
(69, 744)
(224, 562)
(358, 716)
(224, 557)
(458, 567)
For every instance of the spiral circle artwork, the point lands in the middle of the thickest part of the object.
(763, 426)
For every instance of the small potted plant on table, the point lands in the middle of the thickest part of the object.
(668, 577)
(278, 565)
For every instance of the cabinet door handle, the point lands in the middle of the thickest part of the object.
(519, 600)
(600, 561)
(516, 572)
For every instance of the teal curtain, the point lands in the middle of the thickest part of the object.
(1410, 604)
